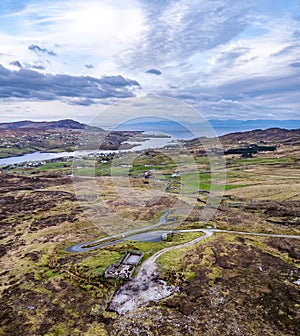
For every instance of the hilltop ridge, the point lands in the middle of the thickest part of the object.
(274, 134)
(48, 125)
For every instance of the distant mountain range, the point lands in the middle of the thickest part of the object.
(220, 127)
(257, 123)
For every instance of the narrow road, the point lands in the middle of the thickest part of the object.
(154, 236)
(259, 234)
(147, 286)
(149, 266)
(84, 247)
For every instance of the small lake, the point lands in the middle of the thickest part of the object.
(39, 156)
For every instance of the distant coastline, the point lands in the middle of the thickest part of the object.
(28, 140)
(221, 127)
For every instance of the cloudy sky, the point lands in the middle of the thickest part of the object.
(231, 59)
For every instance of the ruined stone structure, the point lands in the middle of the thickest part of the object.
(125, 267)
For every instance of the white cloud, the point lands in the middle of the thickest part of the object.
(76, 30)
(12, 110)
(226, 57)
(183, 28)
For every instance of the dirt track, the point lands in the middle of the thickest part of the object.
(147, 286)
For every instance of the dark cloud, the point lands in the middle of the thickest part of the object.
(39, 50)
(295, 65)
(260, 86)
(154, 72)
(27, 66)
(286, 50)
(30, 84)
(89, 66)
(36, 67)
(232, 57)
(117, 81)
(83, 102)
(13, 6)
(254, 97)
(16, 64)
(296, 34)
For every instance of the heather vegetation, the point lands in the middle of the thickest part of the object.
(228, 283)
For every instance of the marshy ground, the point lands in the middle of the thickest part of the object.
(228, 284)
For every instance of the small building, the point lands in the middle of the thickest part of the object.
(125, 267)
(165, 236)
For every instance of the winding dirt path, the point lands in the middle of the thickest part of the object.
(149, 266)
(147, 286)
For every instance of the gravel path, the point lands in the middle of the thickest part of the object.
(147, 286)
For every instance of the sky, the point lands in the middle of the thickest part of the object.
(229, 59)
